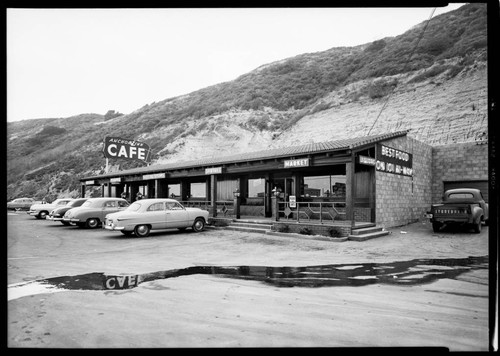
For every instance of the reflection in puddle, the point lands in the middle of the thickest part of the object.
(418, 271)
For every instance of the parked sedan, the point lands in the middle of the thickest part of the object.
(58, 213)
(92, 213)
(40, 211)
(154, 214)
(20, 204)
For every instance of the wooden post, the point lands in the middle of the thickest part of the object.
(213, 194)
(350, 190)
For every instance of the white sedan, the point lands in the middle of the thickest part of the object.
(155, 214)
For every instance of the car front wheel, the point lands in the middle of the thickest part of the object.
(199, 225)
(142, 230)
(42, 215)
(477, 227)
(436, 226)
(92, 223)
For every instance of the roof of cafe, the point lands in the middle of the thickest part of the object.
(310, 148)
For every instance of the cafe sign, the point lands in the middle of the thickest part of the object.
(392, 160)
(116, 147)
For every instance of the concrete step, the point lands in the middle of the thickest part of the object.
(367, 236)
(254, 225)
(366, 230)
(247, 229)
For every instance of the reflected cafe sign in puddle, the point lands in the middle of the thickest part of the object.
(413, 272)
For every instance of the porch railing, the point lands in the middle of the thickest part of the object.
(312, 211)
(224, 207)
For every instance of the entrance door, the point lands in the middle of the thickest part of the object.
(285, 186)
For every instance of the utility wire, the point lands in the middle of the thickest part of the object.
(404, 69)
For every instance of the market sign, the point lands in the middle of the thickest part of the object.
(394, 161)
(115, 180)
(116, 147)
(303, 162)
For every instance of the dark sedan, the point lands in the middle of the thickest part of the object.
(58, 213)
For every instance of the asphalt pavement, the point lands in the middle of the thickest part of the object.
(222, 288)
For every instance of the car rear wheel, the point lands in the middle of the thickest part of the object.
(199, 225)
(142, 230)
(92, 223)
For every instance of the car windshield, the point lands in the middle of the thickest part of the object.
(134, 207)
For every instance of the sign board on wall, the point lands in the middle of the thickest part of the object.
(368, 161)
(292, 199)
(394, 161)
(116, 147)
(153, 176)
(291, 163)
(214, 170)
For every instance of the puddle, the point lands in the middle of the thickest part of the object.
(413, 272)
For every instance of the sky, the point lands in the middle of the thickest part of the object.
(65, 62)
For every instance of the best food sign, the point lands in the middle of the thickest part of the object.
(394, 161)
(116, 147)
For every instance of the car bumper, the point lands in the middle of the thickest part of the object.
(72, 220)
(54, 218)
(112, 227)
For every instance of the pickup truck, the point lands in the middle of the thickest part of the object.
(464, 206)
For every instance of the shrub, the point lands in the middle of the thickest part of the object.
(380, 88)
(305, 231)
(222, 223)
(283, 228)
(431, 72)
(376, 46)
(334, 232)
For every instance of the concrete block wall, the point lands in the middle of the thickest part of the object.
(456, 162)
(401, 200)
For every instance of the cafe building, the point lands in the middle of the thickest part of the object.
(381, 179)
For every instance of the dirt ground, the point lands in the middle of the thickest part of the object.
(210, 311)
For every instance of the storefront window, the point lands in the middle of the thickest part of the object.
(225, 189)
(198, 190)
(256, 188)
(174, 191)
(324, 186)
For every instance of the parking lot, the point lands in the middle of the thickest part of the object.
(219, 310)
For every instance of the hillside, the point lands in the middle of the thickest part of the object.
(437, 89)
